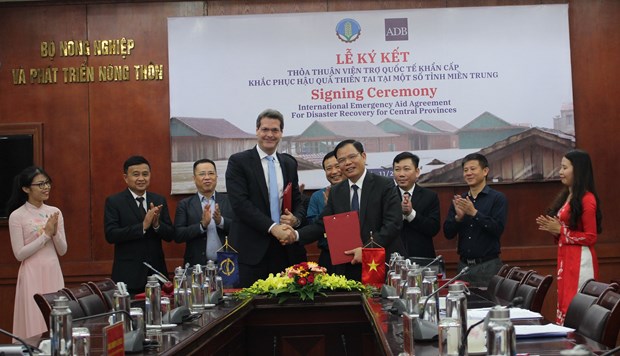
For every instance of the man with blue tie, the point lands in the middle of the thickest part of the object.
(255, 181)
(203, 220)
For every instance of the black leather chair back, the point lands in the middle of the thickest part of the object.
(92, 305)
(577, 309)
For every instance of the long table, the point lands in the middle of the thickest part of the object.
(388, 329)
(341, 323)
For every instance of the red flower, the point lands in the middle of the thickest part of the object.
(311, 278)
(302, 281)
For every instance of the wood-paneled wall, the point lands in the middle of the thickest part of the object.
(90, 128)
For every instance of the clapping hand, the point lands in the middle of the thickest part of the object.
(217, 215)
(406, 204)
(51, 226)
(152, 217)
(550, 224)
(463, 206)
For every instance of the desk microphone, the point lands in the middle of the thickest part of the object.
(134, 339)
(433, 261)
(15, 349)
(159, 275)
(515, 302)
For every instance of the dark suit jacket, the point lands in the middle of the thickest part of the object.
(418, 234)
(249, 198)
(123, 228)
(380, 212)
(187, 227)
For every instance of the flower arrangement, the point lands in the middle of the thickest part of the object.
(304, 280)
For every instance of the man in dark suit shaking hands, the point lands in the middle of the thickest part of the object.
(203, 220)
(372, 195)
(420, 207)
(135, 222)
(255, 180)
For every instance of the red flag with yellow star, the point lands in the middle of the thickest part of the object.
(373, 266)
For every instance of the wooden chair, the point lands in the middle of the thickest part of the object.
(534, 290)
(105, 290)
(587, 296)
(601, 322)
(46, 302)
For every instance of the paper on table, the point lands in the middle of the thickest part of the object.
(515, 313)
(548, 330)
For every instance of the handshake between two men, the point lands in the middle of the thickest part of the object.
(286, 235)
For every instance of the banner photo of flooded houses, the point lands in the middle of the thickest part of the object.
(435, 82)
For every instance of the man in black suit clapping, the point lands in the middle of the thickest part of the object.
(420, 207)
(136, 222)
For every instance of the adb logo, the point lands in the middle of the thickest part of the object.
(396, 29)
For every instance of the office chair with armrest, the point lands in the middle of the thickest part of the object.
(534, 291)
(46, 303)
(497, 279)
(601, 322)
(92, 305)
(105, 290)
(78, 292)
(587, 295)
(506, 291)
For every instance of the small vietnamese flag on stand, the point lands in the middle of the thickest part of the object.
(373, 264)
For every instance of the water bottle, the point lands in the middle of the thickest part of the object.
(198, 289)
(429, 286)
(414, 276)
(61, 328)
(456, 309)
(429, 282)
(180, 287)
(501, 338)
(211, 293)
(122, 303)
(152, 301)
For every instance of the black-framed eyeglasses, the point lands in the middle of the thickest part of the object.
(43, 185)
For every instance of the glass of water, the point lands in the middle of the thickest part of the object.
(80, 337)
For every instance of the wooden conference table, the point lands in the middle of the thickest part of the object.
(342, 323)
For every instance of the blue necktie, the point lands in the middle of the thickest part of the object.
(274, 195)
(355, 201)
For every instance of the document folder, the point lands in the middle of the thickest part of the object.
(287, 198)
(343, 234)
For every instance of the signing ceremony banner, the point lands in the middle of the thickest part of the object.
(441, 83)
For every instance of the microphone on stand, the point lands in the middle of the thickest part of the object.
(158, 274)
(515, 302)
(16, 349)
(134, 339)
(433, 261)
